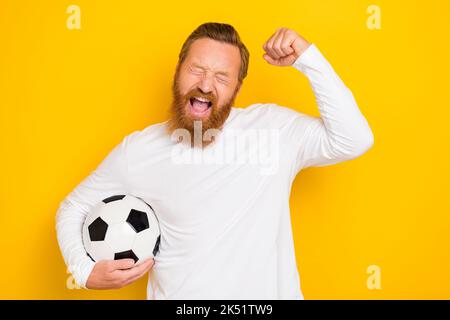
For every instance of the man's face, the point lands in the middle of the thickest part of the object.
(206, 85)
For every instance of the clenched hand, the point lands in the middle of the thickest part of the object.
(284, 47)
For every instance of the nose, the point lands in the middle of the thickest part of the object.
(205, 85)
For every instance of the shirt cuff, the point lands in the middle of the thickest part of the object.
(82, 273)
(308, 58)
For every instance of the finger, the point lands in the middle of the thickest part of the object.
(270, 51)
(138, 276)
(277, 43)
(286, 43)
(127, 274)
(121, 264)
(270, 46)
(265, 46)
(269, 59)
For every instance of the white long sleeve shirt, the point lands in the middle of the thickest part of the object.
(224, 212)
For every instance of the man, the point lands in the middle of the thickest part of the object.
(225, 220)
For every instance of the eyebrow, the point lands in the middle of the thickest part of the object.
(194, 64)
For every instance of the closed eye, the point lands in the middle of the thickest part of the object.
(222, 79)
(196, 70)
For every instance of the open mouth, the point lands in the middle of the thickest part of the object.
(199, 106)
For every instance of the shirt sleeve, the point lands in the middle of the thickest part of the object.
(106, 180)
(341, 132)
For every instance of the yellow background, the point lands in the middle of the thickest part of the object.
(67, 97)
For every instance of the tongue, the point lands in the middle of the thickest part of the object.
(199, 106)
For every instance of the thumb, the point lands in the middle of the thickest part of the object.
(122, 264)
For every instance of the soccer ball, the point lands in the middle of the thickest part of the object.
(119, 227)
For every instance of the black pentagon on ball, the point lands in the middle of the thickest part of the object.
(138, 220)
(114, 198)
(129, 254)
(156, 248)
(97, 230)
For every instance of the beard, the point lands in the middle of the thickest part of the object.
(182, 118)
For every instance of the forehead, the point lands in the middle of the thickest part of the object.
(215, 55)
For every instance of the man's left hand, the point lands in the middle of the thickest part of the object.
(284, 47)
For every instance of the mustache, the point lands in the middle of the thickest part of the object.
(198, 93)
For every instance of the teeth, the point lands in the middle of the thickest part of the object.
(202, 99)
